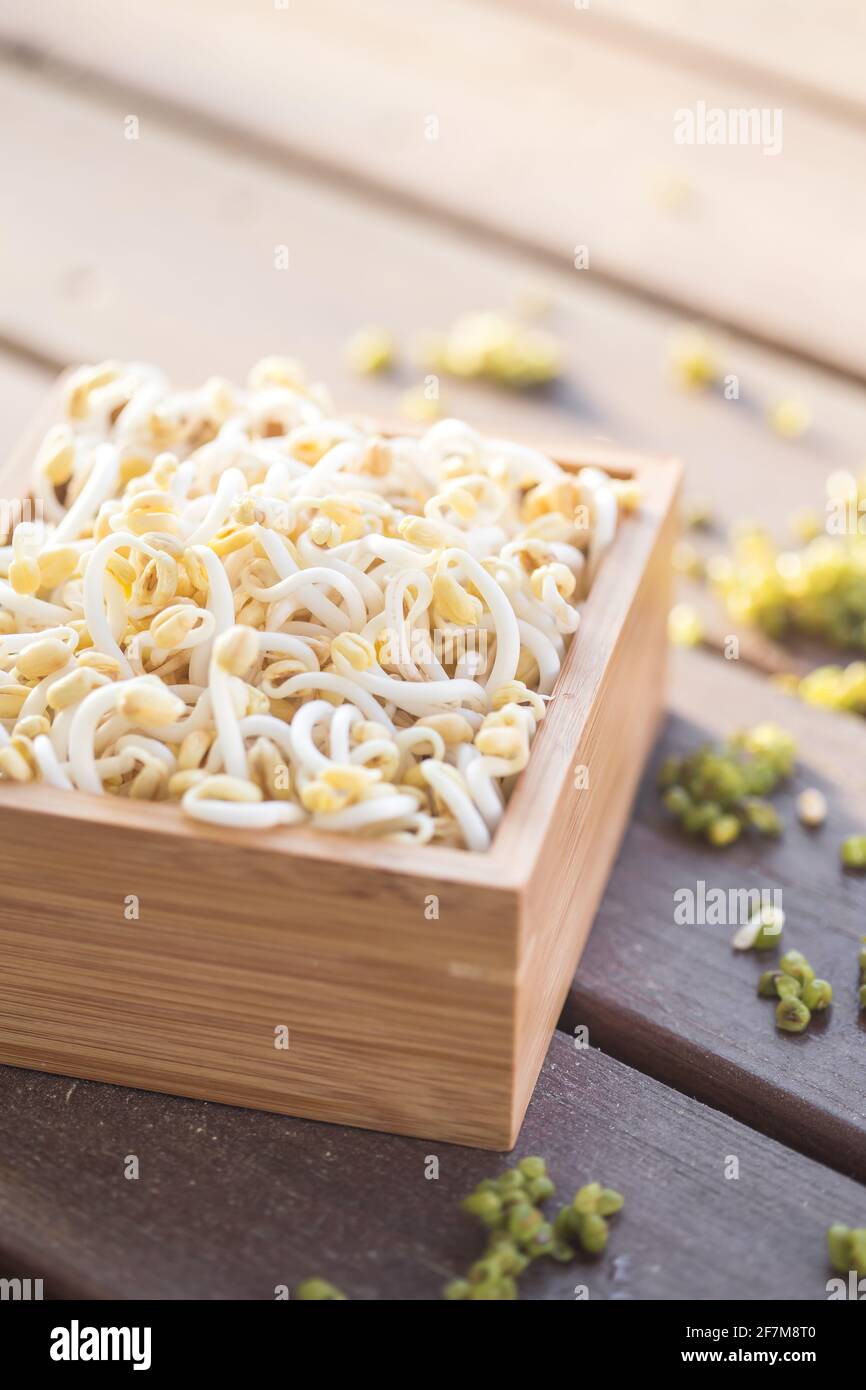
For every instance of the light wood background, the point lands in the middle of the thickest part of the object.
(304, 127)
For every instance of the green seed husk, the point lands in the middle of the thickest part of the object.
(610, 1202)
(724, 830)
(792, 1016)
(763, 817)
(510, 1179)
(767, 984)
(847, 1249)
(668, 773)
(495, 1291)
(532, 1167)
(593, 1232)
(677, 801)
(523, 1223)
(587, 1198)
(486, 1270)
(565, 1224)
(787, 987)
(817, 995)
(539, 1189)
(486, 1206)
(319, 1291)
(838, 1246)
(853, 852)
(701, 817)
(795, 964)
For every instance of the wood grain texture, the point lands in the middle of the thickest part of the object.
(230, 1204)
(397, 1020)
(22, 391)
(127, 286)
(813, 53)
(536, 171)
(677, 1001)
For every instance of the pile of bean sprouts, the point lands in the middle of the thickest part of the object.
(243, 602)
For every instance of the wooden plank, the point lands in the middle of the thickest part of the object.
(813, 52)
(22, 388)
(677, 1001)
(230, 1204)
(535, 170)
(126, 284)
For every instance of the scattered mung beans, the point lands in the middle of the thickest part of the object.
(495, 347)
(509, 1209)
(717, 792)
(799, 992)
(819, 589)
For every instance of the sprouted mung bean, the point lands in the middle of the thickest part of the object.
(762, 932)
(812, 808)
(319, 1291)
(717, 792)
(245, 602)
(847, 1249)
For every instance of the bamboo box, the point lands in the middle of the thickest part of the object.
(412, 989)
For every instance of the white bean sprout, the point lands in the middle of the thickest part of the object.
(241, 602)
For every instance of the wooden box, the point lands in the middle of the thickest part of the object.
(418, 986)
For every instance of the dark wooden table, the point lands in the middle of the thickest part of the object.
(307, 127)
